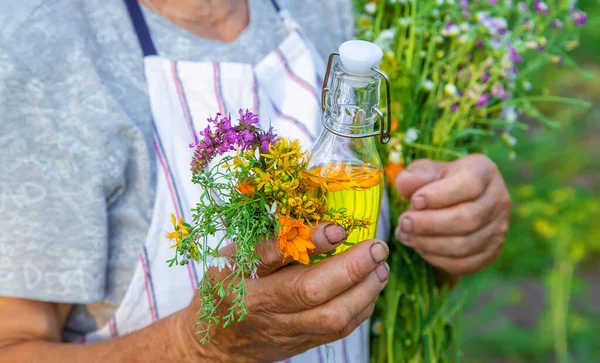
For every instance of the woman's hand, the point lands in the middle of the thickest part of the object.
(295, 308)
(460, 212)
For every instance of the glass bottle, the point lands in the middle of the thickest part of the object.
(345, 154)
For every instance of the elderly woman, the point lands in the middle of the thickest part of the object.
(99, 100)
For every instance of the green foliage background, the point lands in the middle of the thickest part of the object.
(540, 302)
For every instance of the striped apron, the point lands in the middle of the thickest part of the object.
(284, 89)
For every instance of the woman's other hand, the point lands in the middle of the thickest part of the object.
(459, 212)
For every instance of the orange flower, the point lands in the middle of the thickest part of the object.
(338, 177)
(392, 170)
(246, 187)
(295, 239)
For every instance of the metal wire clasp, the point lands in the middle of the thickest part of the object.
(385, 123)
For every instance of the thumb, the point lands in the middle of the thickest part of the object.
(418, 174)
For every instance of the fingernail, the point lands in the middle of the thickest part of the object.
(400, 236)
(403, 237)
(335, 234)
(406, 224)
(419, 203)
(379, 252)
(383, 272)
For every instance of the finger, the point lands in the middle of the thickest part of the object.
(314, 340)
(468, 265)
(354, 323)
(466, 180)
(326, 237)
(459, 246)
(298, 288)
(417, 174)
(461, 219)
(337, 314)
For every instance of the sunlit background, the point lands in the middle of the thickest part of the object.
(541, 299)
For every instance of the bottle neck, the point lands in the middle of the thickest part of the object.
(351, 102)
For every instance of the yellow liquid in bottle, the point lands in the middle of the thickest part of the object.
(358, 190)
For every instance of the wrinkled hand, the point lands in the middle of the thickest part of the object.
(294, 308)
(459, 215)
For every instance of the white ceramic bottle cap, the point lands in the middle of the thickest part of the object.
(359, 56)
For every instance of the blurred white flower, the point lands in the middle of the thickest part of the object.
(377, 327)
(450, 30)
(385, 39)
(428, 85)
(482, 15)
(464, 38)
(219, 262)
(509, 139)
(450, 89)
(272, 209)
(531, 44)
(526, 85)
(404, 22)
(371, 8)
(509, 113)
(395, 157)
(411, 135)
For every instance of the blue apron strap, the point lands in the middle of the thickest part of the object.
(141, 27)
(276, 6)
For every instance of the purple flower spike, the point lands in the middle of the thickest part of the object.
(267, 138)
(248, 118)
(463, 4)
(225, 137)
(195, 144)
(513, 55)
(493, 2)
(483, 100)
(541, 7)
(454, 108)
(579, 17)
(557, 24)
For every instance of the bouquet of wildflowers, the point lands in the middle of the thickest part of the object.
(257, 186)
(459, 71)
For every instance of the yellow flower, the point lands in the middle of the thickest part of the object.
(525, 210)
(562, 195)
(544, 228)
(295, 239)
(262, 179)
(526, 191)
(180, 231)
(284, 155)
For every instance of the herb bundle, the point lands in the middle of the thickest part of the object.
(460, 74)
(255, 186)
